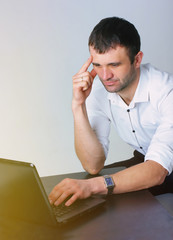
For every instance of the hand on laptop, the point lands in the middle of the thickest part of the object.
(77, 189)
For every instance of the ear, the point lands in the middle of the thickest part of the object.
(138, 59)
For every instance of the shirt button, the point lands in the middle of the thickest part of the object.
(128, 110)
(133, 131)
(141, 147)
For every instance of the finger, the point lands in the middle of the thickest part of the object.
(84, 79)
(86, 65)
(55, 193)
(71, 200)
(53, 196)
(81, 85)
(60, 192)
(62, 198)
(93, 73)
(81, 75)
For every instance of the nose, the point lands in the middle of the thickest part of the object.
(106, 74)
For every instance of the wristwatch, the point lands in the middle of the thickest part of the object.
(109, 182)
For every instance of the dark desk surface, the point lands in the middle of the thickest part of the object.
(131, 216)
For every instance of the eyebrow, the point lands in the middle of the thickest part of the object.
(111, 63)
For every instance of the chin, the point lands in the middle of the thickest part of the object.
(111, 89)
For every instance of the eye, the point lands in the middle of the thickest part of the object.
(114, 64)
(95, 65)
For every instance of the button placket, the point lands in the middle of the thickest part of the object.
(133, 130)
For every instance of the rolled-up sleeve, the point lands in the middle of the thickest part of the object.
(161, 145)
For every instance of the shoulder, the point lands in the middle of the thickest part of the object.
(160, 83)
(155, 76)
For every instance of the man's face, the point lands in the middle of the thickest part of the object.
(114, 69)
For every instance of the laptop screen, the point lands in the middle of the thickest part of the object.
(22, 193)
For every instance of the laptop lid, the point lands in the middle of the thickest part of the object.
(22, 193)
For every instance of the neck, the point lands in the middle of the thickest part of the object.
(128, 93)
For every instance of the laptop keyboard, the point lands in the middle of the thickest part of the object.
(61, 209)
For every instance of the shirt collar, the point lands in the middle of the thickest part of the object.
(141, 94)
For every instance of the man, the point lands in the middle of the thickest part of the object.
(137, 99)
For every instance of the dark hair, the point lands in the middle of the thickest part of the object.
(113, 31)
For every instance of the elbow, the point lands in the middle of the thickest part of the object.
(162, 177)
(157, 174)
(93, 170)
(94, 165)
(159, 180)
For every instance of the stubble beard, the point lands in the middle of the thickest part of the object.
(123, 84)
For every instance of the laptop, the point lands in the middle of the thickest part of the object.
(23, 197)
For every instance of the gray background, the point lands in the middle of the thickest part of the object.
(43, 43)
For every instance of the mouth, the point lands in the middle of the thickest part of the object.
(110, 83)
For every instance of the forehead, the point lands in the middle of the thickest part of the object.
(118, 54)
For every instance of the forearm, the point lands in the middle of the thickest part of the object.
(138, 177)
(88, 148)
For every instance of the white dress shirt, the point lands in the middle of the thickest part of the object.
(146, 124)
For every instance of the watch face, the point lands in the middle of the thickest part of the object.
(109, 182)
